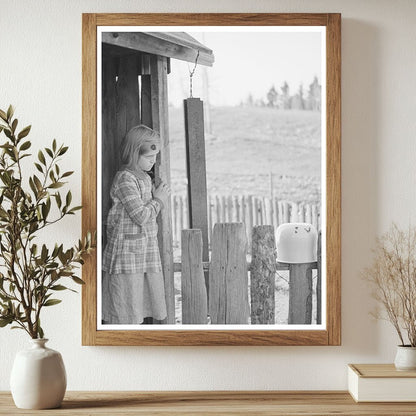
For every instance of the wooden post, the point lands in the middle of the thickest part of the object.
(110, 142)
(160, 122)
(194, 292)
(196, 169)
(319, 282)
(128, 111)
(262, 275)
(300, 293)
(228, 289)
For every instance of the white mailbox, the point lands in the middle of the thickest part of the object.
(296, 243)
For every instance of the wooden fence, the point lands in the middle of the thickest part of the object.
(231, 297)
(250, 210)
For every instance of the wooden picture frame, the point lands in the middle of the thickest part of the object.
(331, 335)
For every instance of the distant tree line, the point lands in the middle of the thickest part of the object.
(301, 100)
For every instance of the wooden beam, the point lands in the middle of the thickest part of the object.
(160, 122)
(148, 42)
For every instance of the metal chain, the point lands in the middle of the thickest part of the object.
(191, 74)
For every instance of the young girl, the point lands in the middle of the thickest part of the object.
(133, 286)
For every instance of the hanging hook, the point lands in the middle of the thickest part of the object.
(191, 74)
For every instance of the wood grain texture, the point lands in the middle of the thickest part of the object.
(146, 42)
(196, 169)
(194, 292)
(182, 403)
(89, 174)
(333, 185)
(380, 371)
(262, 276)
(228, 277)
(331, 336)
(300, 293)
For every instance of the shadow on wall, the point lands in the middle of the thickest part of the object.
(361, 97)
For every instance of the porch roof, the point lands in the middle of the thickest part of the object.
(176, 45)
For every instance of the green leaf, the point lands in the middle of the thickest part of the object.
(40, 332)
(49, 152)
(8, 133)
(41, 157)
(25, 145)
(14, 125)
(5, 321)
(24, 132)
(3, 115)
(59, 287)
(56, 185)
(54, 145)
(76, 279)
(68, 198)
(67, 174)
(58, 199)
(51, 302)
(44, 253)
(45, 211)
(39, 167)
(10, 112)
(37, 183)
(63, 150)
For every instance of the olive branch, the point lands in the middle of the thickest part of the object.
(31, 274)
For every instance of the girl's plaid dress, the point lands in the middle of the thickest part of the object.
(132, 273)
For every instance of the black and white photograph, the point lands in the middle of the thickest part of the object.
(211, 167)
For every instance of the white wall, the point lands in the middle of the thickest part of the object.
(40, 73)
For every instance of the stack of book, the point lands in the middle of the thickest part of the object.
(381, 383)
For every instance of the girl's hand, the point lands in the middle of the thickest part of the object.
(162, 192)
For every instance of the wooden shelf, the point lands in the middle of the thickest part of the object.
(212, 403)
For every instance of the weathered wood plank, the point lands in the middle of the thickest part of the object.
(196, 169)
(194, 292)
(146, 101)
(127, 91)
(300, 293)
(228, 288)
(160, 122)
(262, 275)
(109, 142)
(147, 42)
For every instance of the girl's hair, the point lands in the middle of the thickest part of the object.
(138, 140)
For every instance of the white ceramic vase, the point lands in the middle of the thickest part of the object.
(38, 377)
(405, 358)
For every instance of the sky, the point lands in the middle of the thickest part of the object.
(249, 63)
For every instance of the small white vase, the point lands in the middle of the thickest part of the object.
(38, 377)
(405, 358)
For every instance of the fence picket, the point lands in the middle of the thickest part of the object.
(228, 289)
(194, 294)
(262, 275)
(300, 293)
(249, 209)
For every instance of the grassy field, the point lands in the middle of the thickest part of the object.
(251, 148)
(247, 146)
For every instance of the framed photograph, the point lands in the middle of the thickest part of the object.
(212, 174)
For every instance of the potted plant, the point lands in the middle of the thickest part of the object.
(393, 277)
(32, 272)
